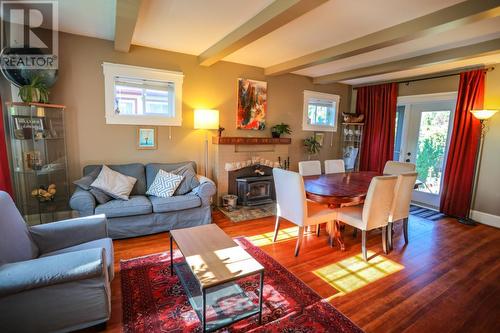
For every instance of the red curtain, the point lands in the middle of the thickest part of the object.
(460, 164)
(378, 103)
(5, 181)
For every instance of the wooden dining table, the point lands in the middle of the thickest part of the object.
(337, 189)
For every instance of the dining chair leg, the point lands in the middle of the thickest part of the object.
(389, 236)
(299, 240)
(363, 245)
(318, 228)
(276, 228)
(384, 239)
(405, 229)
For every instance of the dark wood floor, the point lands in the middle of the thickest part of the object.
(447, 280)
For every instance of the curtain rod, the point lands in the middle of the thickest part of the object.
(424, 77)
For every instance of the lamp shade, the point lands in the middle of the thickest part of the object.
(206, 119)
(483, 114)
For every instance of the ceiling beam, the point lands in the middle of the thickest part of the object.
(448, 18)
(446, 56)
(274, 16)
(127, 12)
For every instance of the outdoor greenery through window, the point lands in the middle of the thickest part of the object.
(321, 112)
(431, 147)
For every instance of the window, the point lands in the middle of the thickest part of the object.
(142, 96)
(320, 111)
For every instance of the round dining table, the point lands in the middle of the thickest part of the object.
(336, 190)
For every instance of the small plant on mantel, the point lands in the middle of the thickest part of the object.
(312, 146)
(280, 129)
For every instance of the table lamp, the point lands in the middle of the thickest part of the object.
(482, 116)
(207, 120)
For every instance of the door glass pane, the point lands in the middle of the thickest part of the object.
(400, 113)
(431, 147)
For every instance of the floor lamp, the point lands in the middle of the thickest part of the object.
(482, 116)
(206, 120)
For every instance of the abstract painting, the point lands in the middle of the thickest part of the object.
(252, 104)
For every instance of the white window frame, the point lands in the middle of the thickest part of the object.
(319, 95)
(112, 71)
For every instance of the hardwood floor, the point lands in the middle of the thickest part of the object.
(445, 280)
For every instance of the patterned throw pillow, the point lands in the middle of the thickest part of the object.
(165, 184)
(114, 183)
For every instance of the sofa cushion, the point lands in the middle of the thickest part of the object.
(135, 170)
(136, 205)
(16, 243)
(105, 243)
(85, 182)
(152, 169)
(114, 183)
(189, 180)
(171, 204)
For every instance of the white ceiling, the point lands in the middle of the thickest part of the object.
(192, 26)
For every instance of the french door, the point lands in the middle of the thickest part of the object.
(423, 131)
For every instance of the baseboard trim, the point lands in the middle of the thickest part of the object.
(485, 218)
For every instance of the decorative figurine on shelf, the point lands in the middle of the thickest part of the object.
(44, 194)
(353, 118)
(220, 130)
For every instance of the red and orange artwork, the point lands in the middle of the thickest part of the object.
(252, 104)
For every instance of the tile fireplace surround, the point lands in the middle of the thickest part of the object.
(232, 152)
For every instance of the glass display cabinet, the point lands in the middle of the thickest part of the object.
(38, 159)
(352, 137)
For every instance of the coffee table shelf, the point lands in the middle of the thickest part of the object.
(243, 309)
(213, 263)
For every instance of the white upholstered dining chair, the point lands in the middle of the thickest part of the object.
(374, 213)
(334, 166)
(310, 168)
(401, 204)
(396, 168)
(293, 205)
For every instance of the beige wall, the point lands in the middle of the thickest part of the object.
(81, 87)
(488, 189)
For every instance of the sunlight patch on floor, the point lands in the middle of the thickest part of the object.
(353, 273)
(267, 238)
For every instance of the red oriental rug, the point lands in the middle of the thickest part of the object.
(154, 301)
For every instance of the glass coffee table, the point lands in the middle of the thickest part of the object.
(213, 263)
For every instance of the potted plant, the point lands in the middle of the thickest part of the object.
(278, 130)
(34, 92)
(312, 146)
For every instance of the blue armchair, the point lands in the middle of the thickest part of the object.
(53, 277)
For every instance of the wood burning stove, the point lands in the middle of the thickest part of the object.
(255, 190)
(253, 185)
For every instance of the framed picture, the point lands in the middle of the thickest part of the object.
(320, 137)
(252, 104)
(147, 137)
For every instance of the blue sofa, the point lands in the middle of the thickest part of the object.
(54, 277)
(144, 215)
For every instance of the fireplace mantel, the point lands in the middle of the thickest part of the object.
(237, 140)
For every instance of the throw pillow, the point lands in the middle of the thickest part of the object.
(114, 183)
(85, 182)
(190, 180)
(164, 185)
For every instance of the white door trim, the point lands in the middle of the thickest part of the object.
(424, 98)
